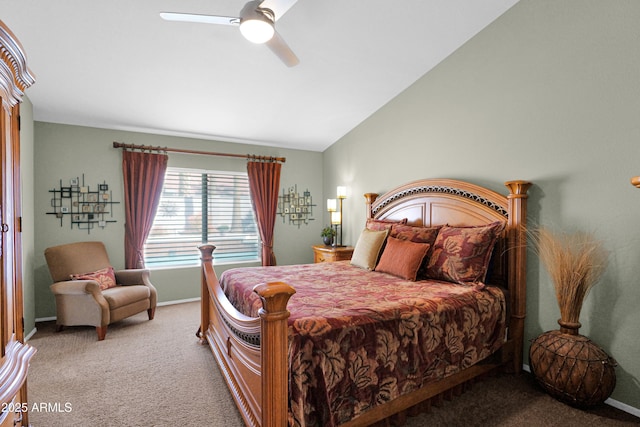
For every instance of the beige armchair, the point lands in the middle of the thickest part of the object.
(82, 302)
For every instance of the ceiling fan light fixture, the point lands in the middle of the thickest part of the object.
(257, 30)
(256, 24)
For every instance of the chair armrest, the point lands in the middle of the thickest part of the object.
(73, 291)
(139, 276)
(76, 287)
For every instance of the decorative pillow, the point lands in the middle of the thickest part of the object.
(462, 254)
(367, 250)
(402, 258)
(417, 235)
(105, 277)
(383, 224)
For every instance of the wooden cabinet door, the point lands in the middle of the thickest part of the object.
(11, 307)
(8, 307)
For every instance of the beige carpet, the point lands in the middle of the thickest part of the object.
(154, 373)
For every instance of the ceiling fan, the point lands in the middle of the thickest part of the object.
(257, 24)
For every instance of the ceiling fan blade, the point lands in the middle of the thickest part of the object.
(278, 7)
(203, 19)
(282, 50)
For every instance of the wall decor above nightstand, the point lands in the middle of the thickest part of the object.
(87, 208)
(298, 209)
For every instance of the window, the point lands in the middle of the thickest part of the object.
(199, 207)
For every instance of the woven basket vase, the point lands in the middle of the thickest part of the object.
(572, 368)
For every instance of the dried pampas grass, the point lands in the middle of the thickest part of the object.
(575, 262)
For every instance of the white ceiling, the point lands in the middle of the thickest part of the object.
(115, 64)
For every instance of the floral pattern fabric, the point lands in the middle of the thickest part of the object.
(359, 338)
(382, 224)
(462, 254)
(415, 234)
(105, 277)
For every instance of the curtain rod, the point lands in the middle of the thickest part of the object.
(208, 153)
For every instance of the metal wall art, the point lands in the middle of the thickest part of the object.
(295, 208)
(87, 208)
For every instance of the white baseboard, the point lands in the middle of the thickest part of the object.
(611, 402)
(30, 334)
(179, 301)
(623, 407)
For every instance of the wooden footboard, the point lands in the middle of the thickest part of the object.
(252, 353)
(253, 367)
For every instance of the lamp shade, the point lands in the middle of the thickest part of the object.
(332, 205)
(336, 218)
(341, 192)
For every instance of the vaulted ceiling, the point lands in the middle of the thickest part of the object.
(116, 64)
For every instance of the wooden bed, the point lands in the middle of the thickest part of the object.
(252, 352)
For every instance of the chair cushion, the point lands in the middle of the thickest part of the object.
(120, 296)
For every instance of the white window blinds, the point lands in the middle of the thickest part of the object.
(199, 207)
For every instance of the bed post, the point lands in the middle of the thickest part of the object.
(517, 223)
(206, 256)
(370, 198)
(274, 348)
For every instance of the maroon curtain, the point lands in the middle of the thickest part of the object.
(143, 179)
(264, 181)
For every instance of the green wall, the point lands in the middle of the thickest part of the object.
(63, 151)
(550, 92)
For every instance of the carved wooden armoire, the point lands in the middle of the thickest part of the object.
(15, 77)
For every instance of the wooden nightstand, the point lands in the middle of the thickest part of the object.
(322, 253)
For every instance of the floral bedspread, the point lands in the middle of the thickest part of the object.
(361, 338)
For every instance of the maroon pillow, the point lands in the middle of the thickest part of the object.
(382, 224)
(105, 277)
(402, 258)
(417, 235)
(461, 254)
